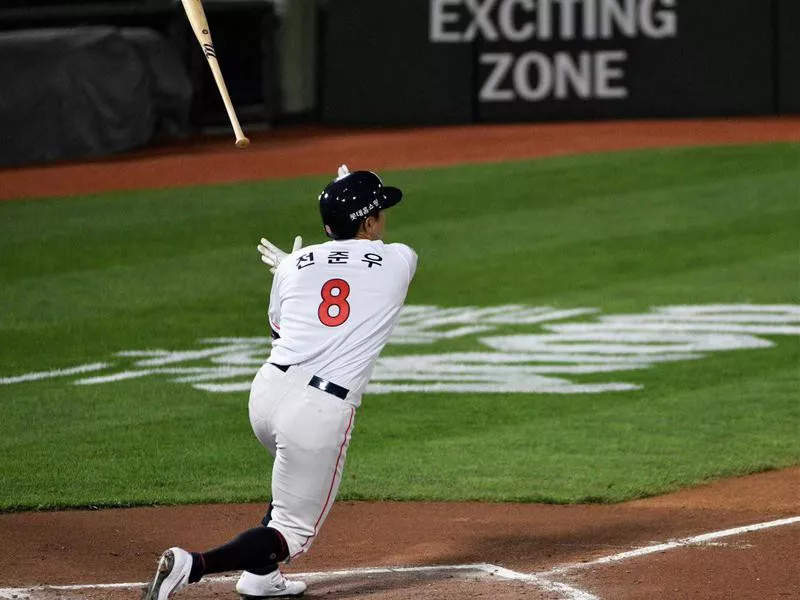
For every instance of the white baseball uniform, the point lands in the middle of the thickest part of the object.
(334, 306)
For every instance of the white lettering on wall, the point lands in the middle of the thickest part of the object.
(545, 20)
(481, 21)
(606, 74)
(658, 24)
(440, 19)
(589, 17)
(534, 75)
(566, 16)
(509, 30)
(572, 75)
(522, 20)
(618, 16)
(500, 64)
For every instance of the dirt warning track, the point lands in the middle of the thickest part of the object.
(301, 151)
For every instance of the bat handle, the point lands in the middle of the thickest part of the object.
(241, 139)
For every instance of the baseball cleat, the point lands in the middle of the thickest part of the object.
(172, 575)
(273, 585)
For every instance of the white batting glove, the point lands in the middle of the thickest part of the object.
(272, 256)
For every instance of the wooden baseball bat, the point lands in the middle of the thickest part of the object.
(197, 18)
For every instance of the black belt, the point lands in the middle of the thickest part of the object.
(321, 384)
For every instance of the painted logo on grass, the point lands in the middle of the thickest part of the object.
(549, 350)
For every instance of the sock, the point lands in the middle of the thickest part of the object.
(267, 517)
(198, 567)
(254, 550)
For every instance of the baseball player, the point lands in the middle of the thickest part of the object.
(331, 310)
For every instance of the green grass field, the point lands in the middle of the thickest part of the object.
(84, 278)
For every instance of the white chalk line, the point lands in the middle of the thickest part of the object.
(541, 579)
(689, 541)
(573, 593)
(565, 591)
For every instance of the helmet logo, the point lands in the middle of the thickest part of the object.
(365, 211)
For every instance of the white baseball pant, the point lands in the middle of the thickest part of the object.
(308, 432)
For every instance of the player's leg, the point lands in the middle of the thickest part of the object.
(308, 431)
(258, 549)
(255, 548)
(251, 550)
(269, 389)
(267, 581)
(262, 403)
(313, 436)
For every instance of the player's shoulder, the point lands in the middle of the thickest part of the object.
(403, 250)
(408, 255)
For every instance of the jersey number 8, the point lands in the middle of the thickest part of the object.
(327, 314)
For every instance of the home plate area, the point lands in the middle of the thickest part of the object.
(742, 562)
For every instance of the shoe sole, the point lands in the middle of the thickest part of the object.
(165, 564)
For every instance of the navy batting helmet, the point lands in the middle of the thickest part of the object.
(351, 198)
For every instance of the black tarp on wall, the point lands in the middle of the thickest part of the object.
(87, 92)
(244, 33)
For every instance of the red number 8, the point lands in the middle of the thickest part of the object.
(339, 300)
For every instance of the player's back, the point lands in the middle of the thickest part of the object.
(335, 304)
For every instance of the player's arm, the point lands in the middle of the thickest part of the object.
(409, 256)
(272, 256)
(274, 310)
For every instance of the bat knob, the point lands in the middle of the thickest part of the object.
(242, 142)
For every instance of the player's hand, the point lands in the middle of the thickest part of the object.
(272, 256)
